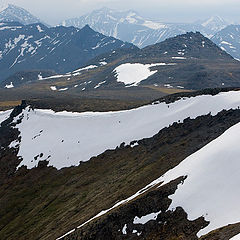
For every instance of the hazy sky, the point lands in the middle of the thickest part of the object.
(54, 11)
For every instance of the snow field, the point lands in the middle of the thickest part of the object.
(133, 73)
(66, 138)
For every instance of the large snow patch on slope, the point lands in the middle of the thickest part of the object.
(65, 139)
(211, 188)
(133, 73)
(212, 185)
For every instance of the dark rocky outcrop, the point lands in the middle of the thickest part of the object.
(8, 156)
(168, 224)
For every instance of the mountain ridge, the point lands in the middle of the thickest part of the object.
(61, 49)
(13, 13)
(56, 193)
(228, 40)
(186, 62)
(141, 31)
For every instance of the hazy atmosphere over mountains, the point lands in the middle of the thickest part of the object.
(167, 11)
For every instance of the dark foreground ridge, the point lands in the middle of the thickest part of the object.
(209, 91)
(182, 139)
(44, 203)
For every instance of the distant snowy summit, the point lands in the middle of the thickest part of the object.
(130, 26)
(215, 23)
(228, 40)
(13, 13)
(61, 49)
(110, 16)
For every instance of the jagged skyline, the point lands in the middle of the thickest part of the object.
(53, 12)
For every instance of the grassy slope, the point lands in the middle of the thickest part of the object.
(45, 203)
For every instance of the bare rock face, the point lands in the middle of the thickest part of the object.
(8, 134)
(119, 224)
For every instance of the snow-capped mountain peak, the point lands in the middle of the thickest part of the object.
(215, 23)
(64, 48)
(228, 40)
(3, 6)
(132, 27)
(13, 13)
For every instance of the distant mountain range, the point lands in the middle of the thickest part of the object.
(214, 23)
(188, 61)
(62, 49)
(125, 25)
(130, 26)
(229, 40)
(13, 13)
(40, 49)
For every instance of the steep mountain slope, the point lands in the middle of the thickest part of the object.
(228, 40)
(130, 26)
(188, 61)
(60, 200)
(36, 128)
(191, 45)
(60, 49)
(197, 192)
(12, 13)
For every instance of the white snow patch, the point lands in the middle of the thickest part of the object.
(134, 145)
(8, 86)
(97, 46)
(130, 18)
(85, 68)
(103, 63)
(124, 230)
(181, 87)
(168, 86)
(99, 84)
(53, 88)
(13, 28)
(136, 232)
(181, 58)
(40, 76)
(154, 25)
(14, 144)
(226, 43)
(134, 73)
(19, 38)
(76, 74)
(146, 218)
(199, 196)
(218, 162)
(4, 115)
(56, 76)
(63, 89)
(39, 28)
